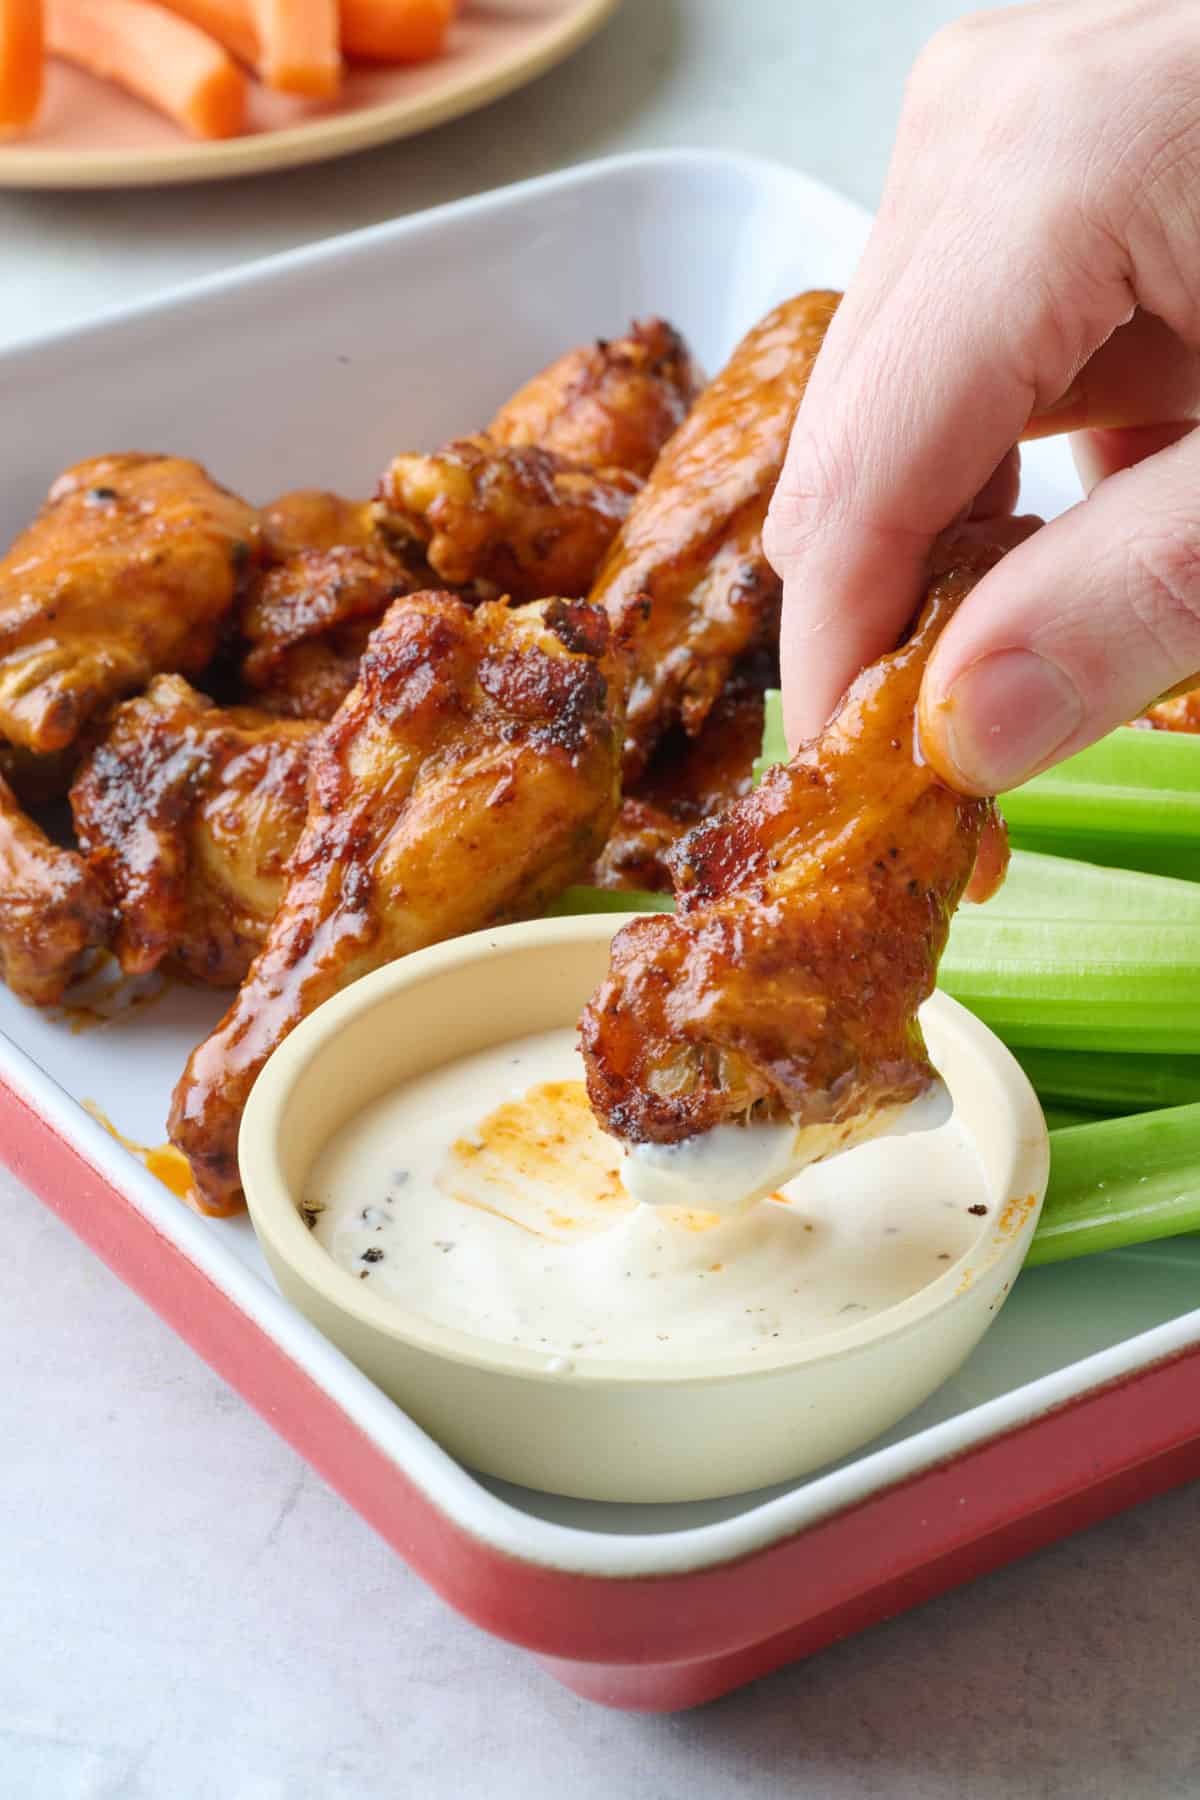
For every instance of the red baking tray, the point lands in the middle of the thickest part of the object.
(308, 369)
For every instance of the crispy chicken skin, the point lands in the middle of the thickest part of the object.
(523, 522)
(686, 582)
(470, 776)
(304, 623)
(314, 519)
(608, 405)
(52, 910)
(130, 568)
(689, 779)
(187, 814)
(812, 915)
(307, 623)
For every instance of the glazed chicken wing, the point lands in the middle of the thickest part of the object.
(468, 778)
(686, 582)
(314, 519)
(131, 567)
(52, 910)
(306, 618)
(811, 918)
(608, 405)
(307, 623)
(523, 522)
(689, 779)
(187, 814)
(1178, 712)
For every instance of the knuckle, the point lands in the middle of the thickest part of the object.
(948, 54)
(805, 498)
(1164, 587)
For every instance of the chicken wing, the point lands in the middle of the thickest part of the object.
(187, 814)
(689, 779)
(307, 623)
(131, 567)
(608, 405)
(52, 910)
(468, 778)
(812, 915)
(1179, 712)
(314, 519)
(686, 582)
(522, 522)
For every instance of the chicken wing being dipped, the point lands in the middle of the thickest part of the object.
(52, 909)
(187, 814)
(686, 583)
(523, 522)
(131, 567)
(773, 1020)
(608, 405)
(469, 777)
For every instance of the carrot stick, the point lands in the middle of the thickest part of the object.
(160, 58)
(20, 63)
(231, 22)
(395, 30)
(300, 49)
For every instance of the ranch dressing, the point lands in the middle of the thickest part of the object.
(485, 1197)
(731, 1166)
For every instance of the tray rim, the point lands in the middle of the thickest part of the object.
(612, 1640)
(687, 162)
(55, 1133)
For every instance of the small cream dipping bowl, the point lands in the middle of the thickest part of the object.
(637, 1430)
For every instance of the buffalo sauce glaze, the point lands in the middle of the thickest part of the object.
(485, 1197)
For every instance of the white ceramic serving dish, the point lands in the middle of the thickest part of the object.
(617, 1430)
(311, 368)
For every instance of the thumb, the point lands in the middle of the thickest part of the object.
(1074, 632)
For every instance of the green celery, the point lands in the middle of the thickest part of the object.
(1120, 1182)
(1112, 1084)
(611, 900)
(1133, 799)
(1059, 1117)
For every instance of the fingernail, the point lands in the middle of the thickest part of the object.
(1004, 717)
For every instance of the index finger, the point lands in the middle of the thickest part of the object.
(928, 375)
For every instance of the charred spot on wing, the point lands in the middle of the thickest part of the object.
(580, 628)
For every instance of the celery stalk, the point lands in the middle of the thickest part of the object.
(608, 900)
(1132, 800)
(1120, 1182)
(1059, 1117)
(1112, 1084)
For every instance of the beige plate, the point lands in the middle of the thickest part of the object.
(615, 1430)
(92, 134)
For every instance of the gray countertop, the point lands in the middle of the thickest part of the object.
(187, 1610)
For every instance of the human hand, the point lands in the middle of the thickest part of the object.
(1035, 268)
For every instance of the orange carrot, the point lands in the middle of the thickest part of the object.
(395, 30)
(300, 52)
(20, 63)
(231, 22)
(160, 58)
